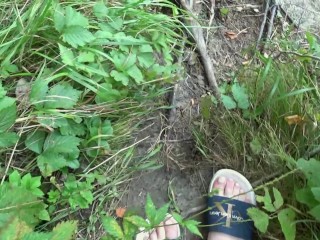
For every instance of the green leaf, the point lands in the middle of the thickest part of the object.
(224, 11)
(62, 95)
(146, 59)
(120, 77)
(135, 73)
(255, 146)
(311, 169)
(150, 208)
(77, 36)
(107, 94)
(240, 95)
(260, 219)
(129, 229)
(44, 215)
(192, 226)
(268, 205)
(100, 10)
(286, 218)
(316, 193)
(67, 55)
(64, 230)
(8, 113)
(315, 212)
(15, 178)
(58, 18)
(74, 18)
(38, 92)
(14, 228)
(35, 141)
(85, 57)
(278, 202)
(228, 102)
(73, 129)
(177, 217)
(8, 139)
(138, 221)
(160, 214)
(58, 151)
(306, 196)
(112, 227)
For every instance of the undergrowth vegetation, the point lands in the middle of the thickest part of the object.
(267, 127)
(75, 78)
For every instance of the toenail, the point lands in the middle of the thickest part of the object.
(222, 180)
(237, 185)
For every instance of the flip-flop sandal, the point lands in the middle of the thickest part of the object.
(229, 215)
(145, 235)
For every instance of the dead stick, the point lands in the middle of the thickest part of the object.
(197, 33)
(263, 23)
(273, 13)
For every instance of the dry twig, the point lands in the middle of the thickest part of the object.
(197, 34)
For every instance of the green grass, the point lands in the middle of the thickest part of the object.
(76, 80)
(259, 141)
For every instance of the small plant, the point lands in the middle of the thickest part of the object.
(132, 224)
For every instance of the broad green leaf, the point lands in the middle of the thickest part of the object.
(192, 226)
(85, 57)
(14, 228)
(62, 95)
(38, 92)
(306, 196)
(107, 94)
(240, 95)
(64, 230)
(135, 73)
(129, 229)
(20, 202)
(286, 218)
(260, 219)
(146, 60)
(268, 205)
(255, 146)
(15, 178)
(35, 141)
(120, 77)
(316, 193)
(50, 161)
(6, 102)
(74, 18)
(8, 139)
(311, 169)
(138, 221)
(112, 227)
(73, 129)
(37, 236)
(315, 212)
(62, 144)
(58, 18)
(67, 55)
(278, 202)
(100, 10)
(8, 113)
(150, 208)
(228, 102)
(145, 48)
(77, 36)
(44, 215)
(224, 11)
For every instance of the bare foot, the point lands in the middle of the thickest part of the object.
(169, 230)
(227, 187)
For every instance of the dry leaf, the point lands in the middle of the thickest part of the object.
(294, 119)
(256, 10)
(231, 35)
(120, 212)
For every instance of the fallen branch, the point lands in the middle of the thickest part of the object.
(264, 21)
(197, 34)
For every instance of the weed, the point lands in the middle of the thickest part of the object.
(268, 122)
(75, 79)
